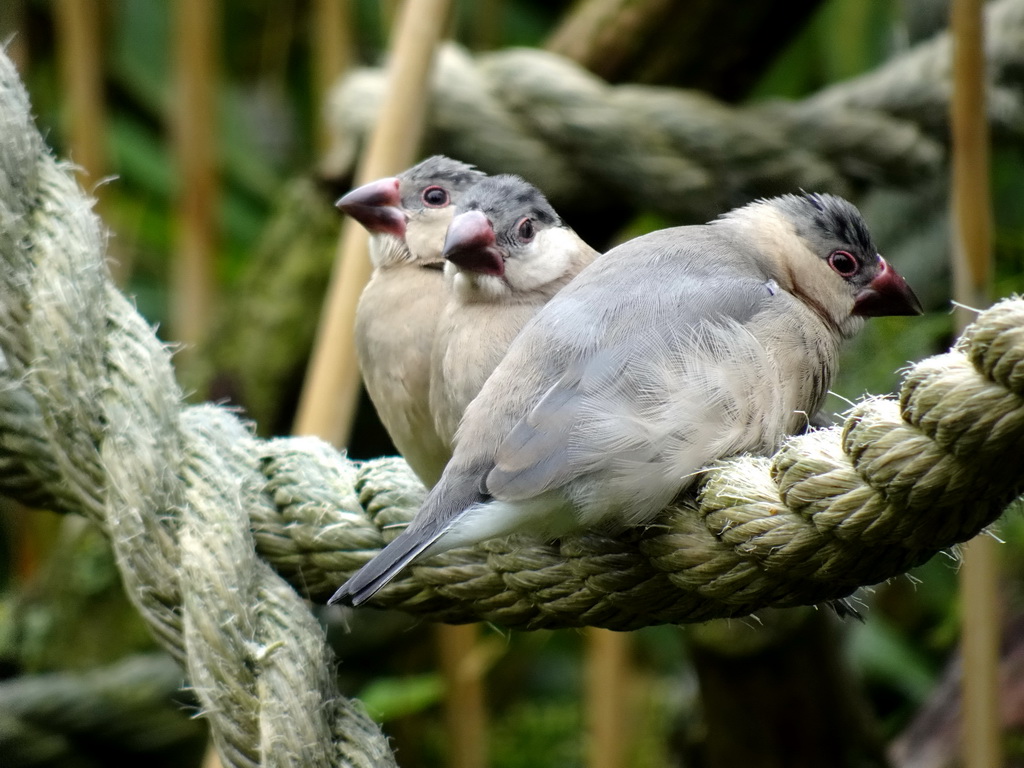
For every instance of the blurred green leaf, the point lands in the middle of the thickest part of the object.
(884, 654)
(545, 733)
(389, 697)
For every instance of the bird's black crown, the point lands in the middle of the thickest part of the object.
(441, 169)
(510, 194)
(824, 214)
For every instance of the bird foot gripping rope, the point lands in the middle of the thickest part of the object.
(216, 533)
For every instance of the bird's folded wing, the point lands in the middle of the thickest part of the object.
(546, 450)
(535, 456)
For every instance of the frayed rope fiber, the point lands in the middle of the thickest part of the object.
(92, 422)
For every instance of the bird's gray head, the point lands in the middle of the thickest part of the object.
(506, 239)
(407, 215)
(437, 182)
(832, 264)
(826, 220)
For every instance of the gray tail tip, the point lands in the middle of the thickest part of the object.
(343, 597)
(382, 568)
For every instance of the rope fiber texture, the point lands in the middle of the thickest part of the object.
(681, 153)
(120, 710)
(217, 533)
(91, 421)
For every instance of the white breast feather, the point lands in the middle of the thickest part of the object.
(650, 419)
(677, 404)
(548, 258)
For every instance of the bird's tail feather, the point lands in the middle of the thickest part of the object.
(444, 505)
(377, 573)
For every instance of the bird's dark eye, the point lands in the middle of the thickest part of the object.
(525, 230)
(843, 263)
(435, 197)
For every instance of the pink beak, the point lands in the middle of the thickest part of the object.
(377, 206)
(887, 294)
(470, 245)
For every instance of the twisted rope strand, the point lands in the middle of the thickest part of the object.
(682, 153)
(832, 510)
(93, 423)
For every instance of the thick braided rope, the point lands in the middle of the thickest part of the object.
(832, 510)
(682, 153)
(49, 717)
(99, 429)
(91, 421)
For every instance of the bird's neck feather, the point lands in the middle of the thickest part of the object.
(425, 233)
(387, 250)
(532, 276)
(786, 258)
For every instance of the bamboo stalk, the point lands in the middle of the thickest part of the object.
(12, 32)
(193, 278)
(80, 54)
(972, 276)
(211, 758)
(465, 712)
(604, 35)
(327, 405)
(329, 396)
(81, 68)
(607, 676)
(333, 54)
(194, 121)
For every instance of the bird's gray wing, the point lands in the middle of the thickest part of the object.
(533, 457)
(542, 451)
